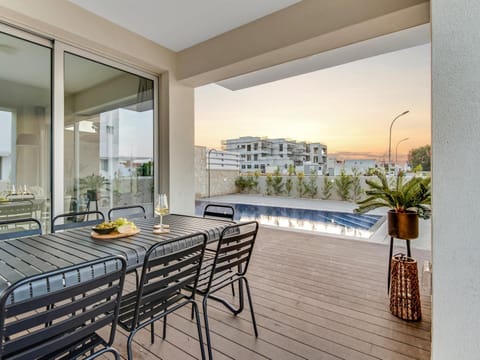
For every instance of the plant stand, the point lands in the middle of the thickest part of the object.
(405, 294)
(88, 206)
(409, 254)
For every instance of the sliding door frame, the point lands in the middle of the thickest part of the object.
(60, 49)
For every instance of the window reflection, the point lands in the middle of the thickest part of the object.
(108, 136)
(25, 127)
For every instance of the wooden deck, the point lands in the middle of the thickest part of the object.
(314, 298)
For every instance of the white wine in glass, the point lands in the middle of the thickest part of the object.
(161, 207)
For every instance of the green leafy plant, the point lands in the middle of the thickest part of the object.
(241, 183)
(400, 196)
(343, 185)
(356, 185)
(289, 185)
(311, 187)
(269, 184)
(277, 182)
(327, 188)
(291, 170)
(256, 181)
(300, 183)
(93, 182)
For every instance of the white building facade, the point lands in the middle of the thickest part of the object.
(222, 160)
(266, 155)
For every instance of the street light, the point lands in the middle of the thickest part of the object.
(390, 139)
(208, 164)
(396, 150)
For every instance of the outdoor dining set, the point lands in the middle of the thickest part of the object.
(62, 293)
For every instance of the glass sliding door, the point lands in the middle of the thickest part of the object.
(108, 136)
(25, 129)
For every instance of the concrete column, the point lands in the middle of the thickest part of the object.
(181, 148)
(456, 173)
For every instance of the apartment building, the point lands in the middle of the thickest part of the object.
(265, 155)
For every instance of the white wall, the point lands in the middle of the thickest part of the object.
(456, 190)
(182, 153)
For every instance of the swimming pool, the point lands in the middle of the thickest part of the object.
(321, 221)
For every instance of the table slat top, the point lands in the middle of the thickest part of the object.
(24, 257)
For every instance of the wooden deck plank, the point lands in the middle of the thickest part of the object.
(314, 297)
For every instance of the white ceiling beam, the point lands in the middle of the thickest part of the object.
(305, 29)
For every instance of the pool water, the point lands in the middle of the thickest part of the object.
(329, 222)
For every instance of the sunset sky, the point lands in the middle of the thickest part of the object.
(348, 107)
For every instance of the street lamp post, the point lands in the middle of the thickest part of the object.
(390, 139)
(208, 165)
(396, 150)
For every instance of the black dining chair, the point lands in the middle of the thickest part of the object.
(168, 269)
(74, 220)
(68, 313)
(128, 211)
(226, 266)
(219, 211)
(16, 228)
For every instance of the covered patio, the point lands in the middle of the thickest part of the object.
(333, 304)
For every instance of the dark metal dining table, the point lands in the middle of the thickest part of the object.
(23, 257)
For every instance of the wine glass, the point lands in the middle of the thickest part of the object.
(161, 208)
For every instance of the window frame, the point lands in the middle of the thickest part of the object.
(59, 51)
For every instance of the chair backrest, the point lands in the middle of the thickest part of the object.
(130, 211)
(51, 312)
(219, 211)
(168, 268)
(234, 250)
(9, 232)
(76, 219)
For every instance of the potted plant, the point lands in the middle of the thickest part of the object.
(407, 200)
(93, 184)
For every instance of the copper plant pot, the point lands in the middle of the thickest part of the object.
(403, 225)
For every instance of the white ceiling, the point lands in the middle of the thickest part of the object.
(180, 24)
(24, 62)
(27, 63)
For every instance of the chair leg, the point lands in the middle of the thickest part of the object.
(152, 333)
(240, 297)
(164, 335)
(112, 350)
(116, 355)
(129, 345)
(228, 305)
(207, 328)
(137, 280)
(199, 329)
(249, 296)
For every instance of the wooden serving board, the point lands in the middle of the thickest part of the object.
(113, 235)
